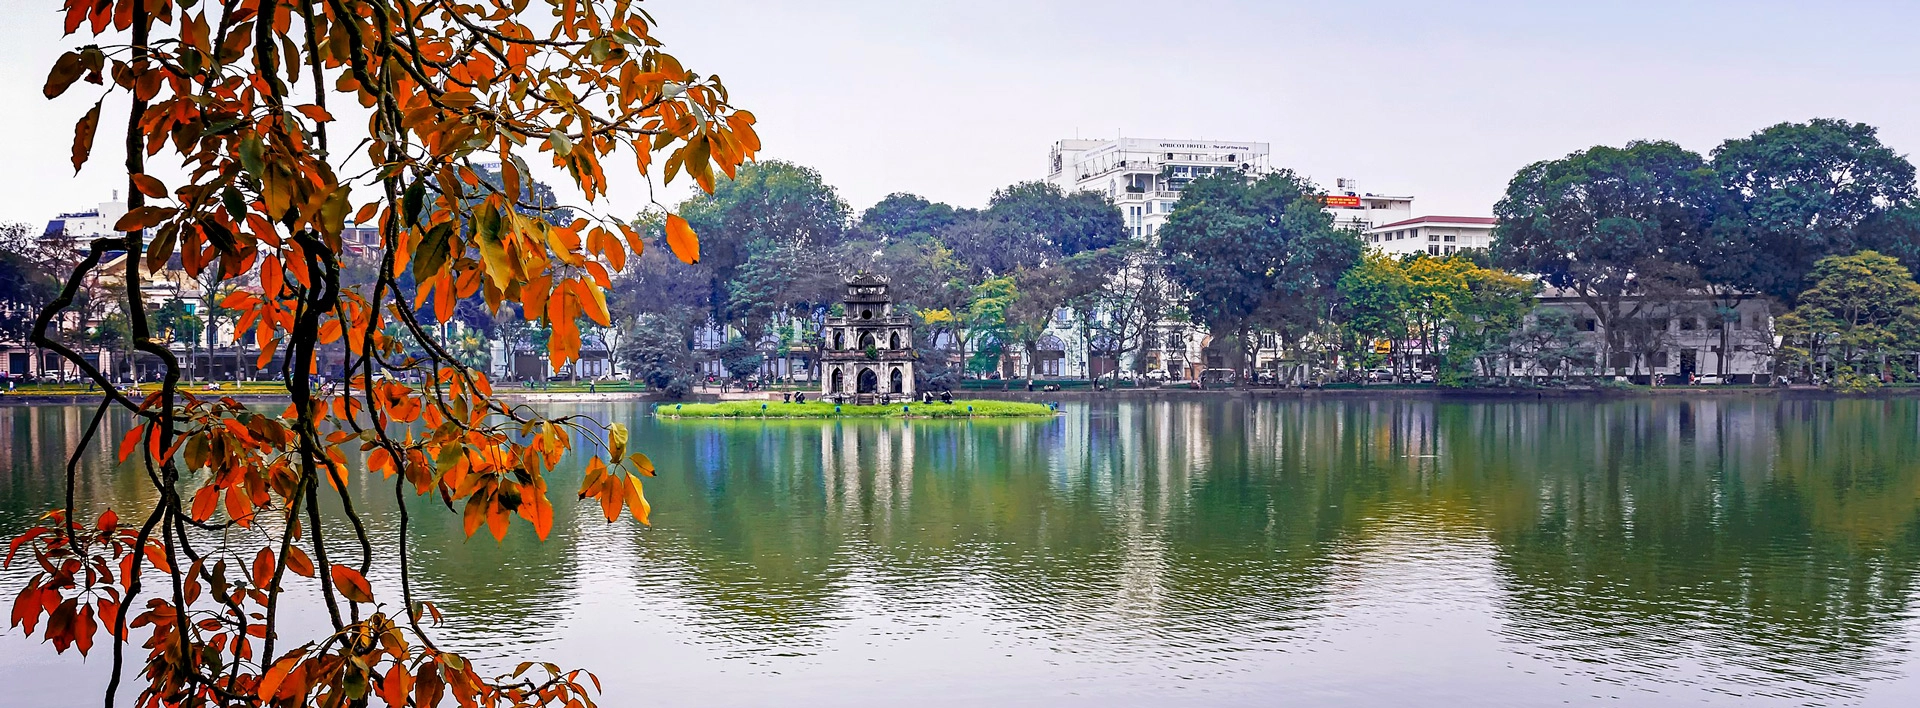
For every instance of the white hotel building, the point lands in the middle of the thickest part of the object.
(1144, 177)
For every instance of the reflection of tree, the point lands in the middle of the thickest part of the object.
(1662, 536)
(1772, 542)
(746, 539)
(1084, 524)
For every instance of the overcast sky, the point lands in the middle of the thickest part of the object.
(1439, 100)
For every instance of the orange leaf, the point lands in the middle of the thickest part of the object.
(680, 238)
(130, 442)
(83, 628)
(150, 186)
(83, 136)
(474, 513)
(270, 683)
(351, 584)
(205, 502)
(263, 568)
(143, 217)
(298, 562)
(611, 493)
(318, 114)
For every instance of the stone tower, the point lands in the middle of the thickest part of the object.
(869, 352)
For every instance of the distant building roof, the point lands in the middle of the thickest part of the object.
(1474, 220)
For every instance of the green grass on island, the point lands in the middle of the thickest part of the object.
(820, 409)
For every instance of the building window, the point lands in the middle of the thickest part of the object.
(1433, 237)
(1589, 325)
(1658, 360)
(1433, 250)
(1448, 237)
(1689, 324)
(1449, 250)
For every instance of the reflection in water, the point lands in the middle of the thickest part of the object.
(1370, 552)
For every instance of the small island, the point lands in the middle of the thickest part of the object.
(822, 409)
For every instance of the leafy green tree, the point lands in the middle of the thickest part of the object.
(767, 205)
(1068, 223)
(901, 214)
(1032, 224)
(1493, 311)
(1376, 302)
(1608, 225)
(1456, 310)
(1861, 310)
(659, 356)
(986, 319)
(780, 280)
(741, 358)
(1253, 252)
(1795, 193)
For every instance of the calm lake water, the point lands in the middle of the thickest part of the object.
(1740, 551)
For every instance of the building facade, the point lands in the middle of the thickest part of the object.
(1432, 235)
(1144, 176)
(1679, 340)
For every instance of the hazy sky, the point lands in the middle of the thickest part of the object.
(950, 100)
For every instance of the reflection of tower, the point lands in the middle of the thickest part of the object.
(867, 470)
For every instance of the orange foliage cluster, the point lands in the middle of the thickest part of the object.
(238, 92)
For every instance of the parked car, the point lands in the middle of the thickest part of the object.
(1380, 375)
(1157, 375)
(1218, 376)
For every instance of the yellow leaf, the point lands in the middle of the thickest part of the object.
(637, 502)
(617, 440)
(681, 239)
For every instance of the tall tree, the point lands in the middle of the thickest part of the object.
(767, 205)
(1612, 226)
(1254, 251)
(1124, 312)
(1797, 192)
(239, 92)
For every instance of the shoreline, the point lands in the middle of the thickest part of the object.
(1170, 394)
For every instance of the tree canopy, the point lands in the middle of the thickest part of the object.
(1794, 193)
